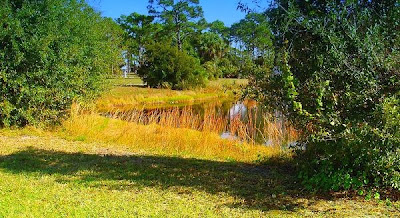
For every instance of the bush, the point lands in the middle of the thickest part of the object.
(360, 156)
(51, 53)
(166, 66)
(336, 79)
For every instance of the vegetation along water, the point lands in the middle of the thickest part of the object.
(292, 110)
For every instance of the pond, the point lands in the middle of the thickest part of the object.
(233, 120)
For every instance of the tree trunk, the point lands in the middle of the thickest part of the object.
(179, 39)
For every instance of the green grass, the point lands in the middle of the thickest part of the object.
(46, 176)
(132, 81)
(127, 97)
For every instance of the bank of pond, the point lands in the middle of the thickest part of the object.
(232, 119)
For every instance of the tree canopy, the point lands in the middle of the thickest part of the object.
(336, 77)
(179, 18)
(52, 53)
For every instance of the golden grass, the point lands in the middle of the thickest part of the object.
(126, 98)
(163, 140)
(175, 131)
(264, 127)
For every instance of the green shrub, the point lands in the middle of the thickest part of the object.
(336, 79)
(166, 66)
(360, 156)
(219, 68)
(51, 53)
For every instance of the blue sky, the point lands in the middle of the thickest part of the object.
(224, 10)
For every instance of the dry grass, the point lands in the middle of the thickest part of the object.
(127, 98)
(181, 132)
(176, 131)
(265, 127)
(163, 139)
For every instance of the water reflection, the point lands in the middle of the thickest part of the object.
(245, 121)
(238, 109)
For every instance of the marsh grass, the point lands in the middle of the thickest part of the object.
(256, 129)
(180, 132)
(165, 139)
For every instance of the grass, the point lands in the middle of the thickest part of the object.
(124, 97)
(43, 175)
(256, 129)
(174, 166)
(131, 81)
(163, 139)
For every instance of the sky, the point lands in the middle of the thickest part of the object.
(224, 10)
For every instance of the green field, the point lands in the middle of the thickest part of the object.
(46, 176)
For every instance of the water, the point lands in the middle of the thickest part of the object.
(233, 120)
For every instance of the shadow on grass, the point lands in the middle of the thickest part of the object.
(262, 187)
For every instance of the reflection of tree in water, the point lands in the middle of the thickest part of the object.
(233, 120)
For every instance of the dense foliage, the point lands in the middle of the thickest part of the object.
(223, 51)
(180, 18)
(337, 78)
(168, 67)
(51, 53)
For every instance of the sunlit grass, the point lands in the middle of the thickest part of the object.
(163, 139)
(125, 98)
(43, 175)
(132, 81)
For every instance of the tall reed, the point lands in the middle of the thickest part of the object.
(161, 137)
(255, 129)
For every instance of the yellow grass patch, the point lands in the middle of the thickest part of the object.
(163, 140)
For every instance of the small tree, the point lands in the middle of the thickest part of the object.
(167, 66)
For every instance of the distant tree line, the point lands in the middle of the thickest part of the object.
(212, 49)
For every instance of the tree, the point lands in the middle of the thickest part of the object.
(218, 27)
(140, 30)
(166, 66)
(336, 78)
(253, 39)
(179, 17)
(253, 33)
(211, 47)
(113, 44)
(51, 53)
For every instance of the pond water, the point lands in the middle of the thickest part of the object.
(233, 120)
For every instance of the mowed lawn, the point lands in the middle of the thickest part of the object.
(44, 175)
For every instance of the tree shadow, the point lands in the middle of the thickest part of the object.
(260, 186)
